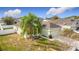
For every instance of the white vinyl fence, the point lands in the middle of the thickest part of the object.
(7, 29)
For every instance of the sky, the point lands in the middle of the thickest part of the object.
(39, 11)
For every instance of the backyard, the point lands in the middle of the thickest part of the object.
(14, 42)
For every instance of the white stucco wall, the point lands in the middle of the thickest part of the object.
(8, 31)
(4, 32)
(46, 32)
(53, 31)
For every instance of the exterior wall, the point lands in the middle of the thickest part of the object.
(4, 32)
(8, 31)
(45, 32)
(52, 31)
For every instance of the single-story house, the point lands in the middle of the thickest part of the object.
(69, 24)
(50, 28)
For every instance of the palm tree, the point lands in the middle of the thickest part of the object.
(30, 25)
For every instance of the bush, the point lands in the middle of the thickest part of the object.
(9, 20)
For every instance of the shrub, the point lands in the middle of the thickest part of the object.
(9, 20)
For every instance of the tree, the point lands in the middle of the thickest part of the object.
(55, 17)
(8, 20)
(30, 25)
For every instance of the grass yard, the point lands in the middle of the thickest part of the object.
(14, 42)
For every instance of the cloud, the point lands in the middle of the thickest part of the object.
(56, 11)
(13, 13)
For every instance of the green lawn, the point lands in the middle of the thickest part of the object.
(15, 42)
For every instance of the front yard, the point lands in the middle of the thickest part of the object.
(14, 42)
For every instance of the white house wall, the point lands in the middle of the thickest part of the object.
(52, 31)
(45, 32)
(4, 32)
(8, 31)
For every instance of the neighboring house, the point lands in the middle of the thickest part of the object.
(72, 24)
(50, 28)
(7, 29)
(65, 24)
